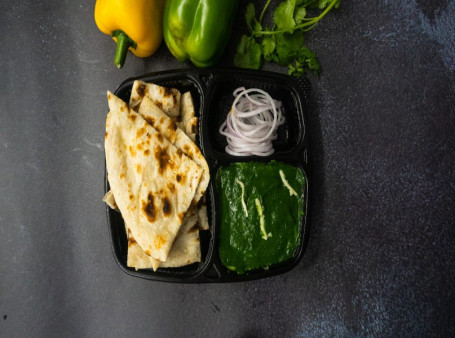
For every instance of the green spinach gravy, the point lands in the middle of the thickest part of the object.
(260, 210)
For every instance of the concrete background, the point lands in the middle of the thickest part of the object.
(380, 258)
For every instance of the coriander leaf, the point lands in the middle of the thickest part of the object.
(249, 53)
(250, 14)
(283, 16)
(296, 70)
(321, 4)
(291, 69)
(288, 46)
(308, 57)
(299, 14)
(268, 46)
(251, 21)
(282, 43)
(241, 47)
(257, 26)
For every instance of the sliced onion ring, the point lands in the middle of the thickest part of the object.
(252, 123)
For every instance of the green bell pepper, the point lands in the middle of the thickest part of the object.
(198, 30)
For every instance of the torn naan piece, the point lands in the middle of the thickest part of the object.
(167, 99)
(166, 127)
(180, 108)
(157, 118)
(142, 171)
(185, 250)
(187, 247)
(109, 199)
(188, 121)
(202, 218)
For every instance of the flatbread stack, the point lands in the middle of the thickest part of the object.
(157, 175)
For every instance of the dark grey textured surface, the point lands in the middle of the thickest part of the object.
(380, 260)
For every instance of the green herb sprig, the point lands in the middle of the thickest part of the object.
(283, 43)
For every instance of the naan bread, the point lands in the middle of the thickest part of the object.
(109, 199)
(157, 118)
(167, 99)
(202, 218)
(185, 250)
(187, 247)
(188, 121)
(166, 127)
(143, 170)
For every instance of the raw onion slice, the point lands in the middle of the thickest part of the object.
(252, 123)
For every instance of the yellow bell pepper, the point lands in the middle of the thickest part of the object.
(135, 25)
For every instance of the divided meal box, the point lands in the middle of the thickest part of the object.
(212, 96)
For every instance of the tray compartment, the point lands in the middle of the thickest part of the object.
(183, 82)
(229, 276)
(211, 90)
(219, 100)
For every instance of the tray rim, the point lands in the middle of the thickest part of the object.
(202, 78)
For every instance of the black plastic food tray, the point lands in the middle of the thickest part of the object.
(212, 90)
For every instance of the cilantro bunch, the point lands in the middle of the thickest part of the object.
(283, 42)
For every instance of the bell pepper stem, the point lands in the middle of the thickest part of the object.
(124, 42)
